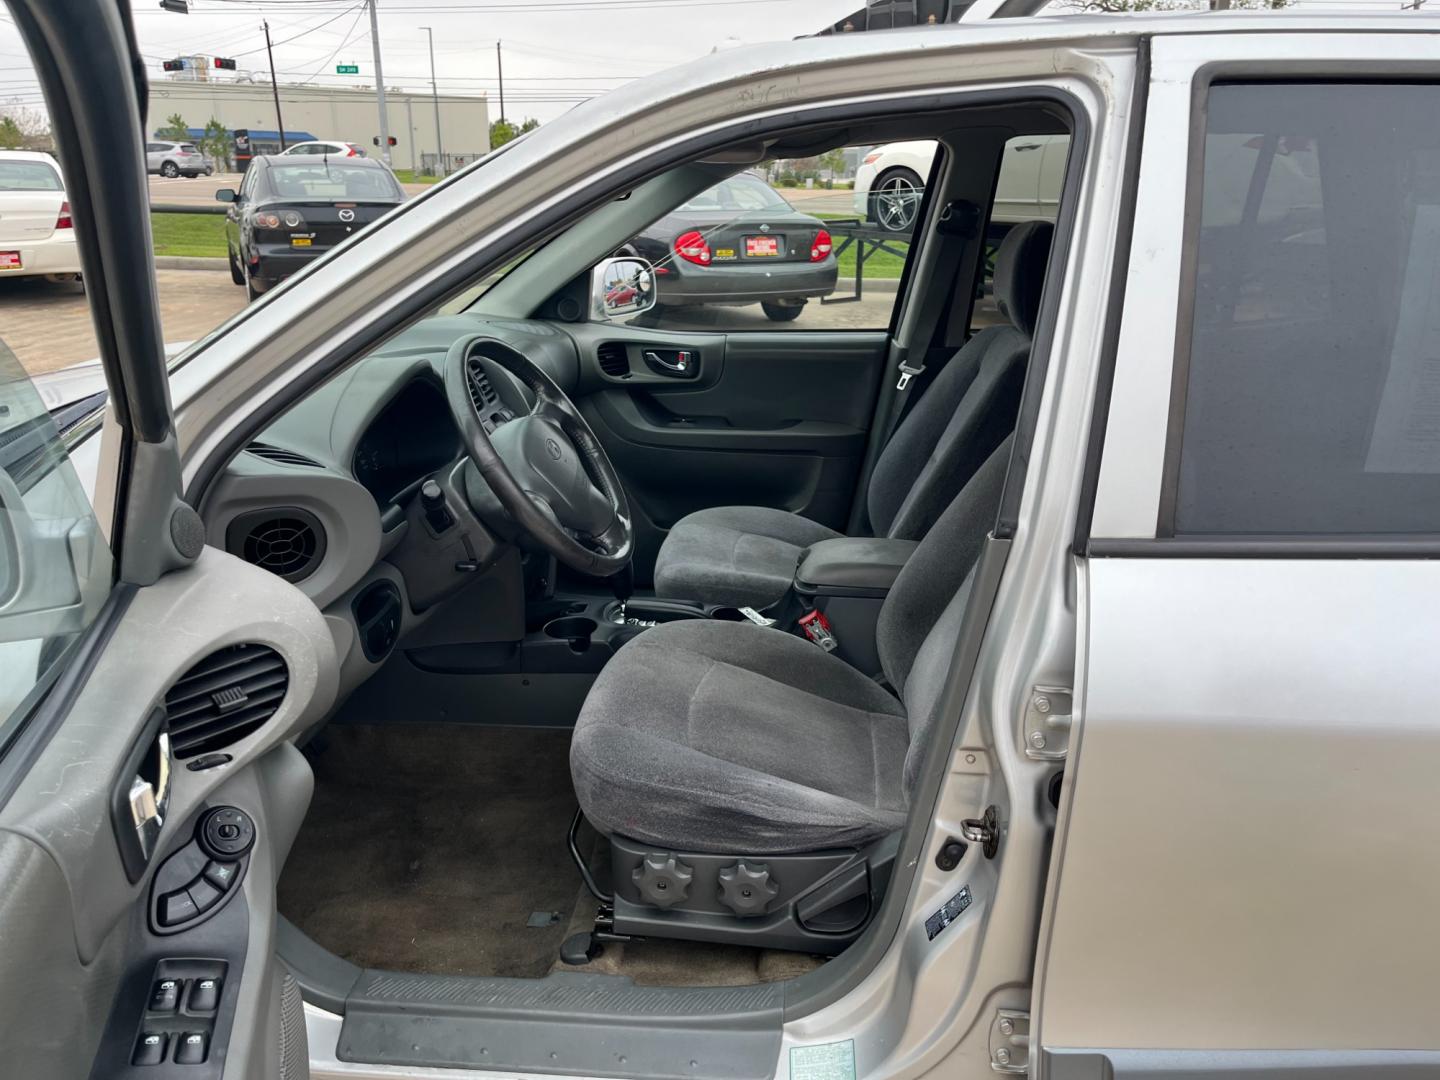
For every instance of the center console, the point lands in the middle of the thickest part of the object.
(847, 580)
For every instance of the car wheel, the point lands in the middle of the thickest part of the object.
(237, 275)
(782, 312)
(169, 170)
(895, 200)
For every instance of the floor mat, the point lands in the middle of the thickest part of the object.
(437, 848)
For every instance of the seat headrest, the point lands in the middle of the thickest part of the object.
(1020, 273)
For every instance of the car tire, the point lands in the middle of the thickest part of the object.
(237, 275)
(895, 200)
(782, 312)
(169, 170)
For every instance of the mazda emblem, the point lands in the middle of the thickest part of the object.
(553, 449)
(347, 215)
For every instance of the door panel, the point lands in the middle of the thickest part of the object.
(759, 419)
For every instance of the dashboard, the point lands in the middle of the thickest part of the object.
(412, 437)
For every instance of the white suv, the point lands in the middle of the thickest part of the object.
(173, 159)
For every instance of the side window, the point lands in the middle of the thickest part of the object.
(814, 243)
(1311, 374)
(55, 569)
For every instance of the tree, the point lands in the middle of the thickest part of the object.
(175, 128)
(11, 137)
(24, 128)
(215, 143)
(502, 131)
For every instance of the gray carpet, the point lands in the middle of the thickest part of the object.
(429, 847)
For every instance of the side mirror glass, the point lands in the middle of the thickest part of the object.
(225, 194)
(620, 288)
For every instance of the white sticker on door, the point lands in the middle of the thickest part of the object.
(827, 1061)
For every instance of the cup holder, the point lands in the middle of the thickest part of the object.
(576, 629)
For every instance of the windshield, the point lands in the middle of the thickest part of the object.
(28, 176)
(331, 180)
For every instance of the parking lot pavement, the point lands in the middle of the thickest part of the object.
(48, 326)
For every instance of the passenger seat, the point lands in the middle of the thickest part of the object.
(746, 555)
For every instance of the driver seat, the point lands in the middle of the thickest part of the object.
(709, 748)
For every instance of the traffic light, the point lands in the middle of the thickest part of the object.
(174, 65)
(376, 140)
(224, 63)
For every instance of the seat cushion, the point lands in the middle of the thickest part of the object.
(731, 738)
(735, 555)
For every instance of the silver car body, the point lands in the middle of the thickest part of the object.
(1244, 730)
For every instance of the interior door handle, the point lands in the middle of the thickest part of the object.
(670, 361)
(149, 800)
(1028, 146)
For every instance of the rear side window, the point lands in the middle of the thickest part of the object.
(28, 176)
(1311, 374)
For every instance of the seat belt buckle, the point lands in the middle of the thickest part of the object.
(816, 627)
(907, 373)
(756, 618)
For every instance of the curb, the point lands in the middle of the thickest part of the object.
(190, 262)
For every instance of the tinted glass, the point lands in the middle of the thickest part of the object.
(330, 180)
(28, 176)
(1313, 395)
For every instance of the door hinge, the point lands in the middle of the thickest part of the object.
(1048, 714)
(1010, 1041)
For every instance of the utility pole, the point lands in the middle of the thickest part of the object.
(435, 96)
(274, 86)
(380, 86)
(500, 67)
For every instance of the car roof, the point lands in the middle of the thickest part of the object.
(289, 159)
(29, 155)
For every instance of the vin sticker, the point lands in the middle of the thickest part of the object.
(952, 910)
(827, 1061)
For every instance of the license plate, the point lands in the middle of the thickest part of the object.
(10, 260)
(762, 246)
(300, 241)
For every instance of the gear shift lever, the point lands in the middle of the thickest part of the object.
(623, 586)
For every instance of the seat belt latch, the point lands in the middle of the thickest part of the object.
(907, 373)
(817, 628)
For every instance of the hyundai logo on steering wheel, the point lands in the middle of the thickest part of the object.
(553, 448)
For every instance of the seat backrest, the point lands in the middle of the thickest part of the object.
(920, 619)
(969, 408)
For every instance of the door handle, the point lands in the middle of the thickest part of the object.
(1028, 146)
(670, 361)
(149, 800)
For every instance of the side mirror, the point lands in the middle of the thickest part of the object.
(620, 288)
(226, 194)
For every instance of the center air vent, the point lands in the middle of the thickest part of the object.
(286, 540)
(280, 455)
(225, 697)
(482, 394)
(614, 359)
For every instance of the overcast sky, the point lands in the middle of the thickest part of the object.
(556, 52)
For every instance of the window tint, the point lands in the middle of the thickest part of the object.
(1312, 401)
(28, 176)
(326, 180)
(805, 244)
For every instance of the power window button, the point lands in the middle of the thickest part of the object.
(204, 995)
(150, 1050)
(165, 996)
(190, 1048)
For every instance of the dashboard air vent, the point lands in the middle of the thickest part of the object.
(225, 697)
(482, 394)
(614, 360)
(281, 455)
(286, 540)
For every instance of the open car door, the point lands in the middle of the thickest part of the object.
(148, 792)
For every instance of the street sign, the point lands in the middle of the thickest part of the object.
(347, 69)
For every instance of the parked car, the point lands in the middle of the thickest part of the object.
(323, 148)
(739, 242)
(289, 211)
(383, 688)
(173, 159)
(37, 235)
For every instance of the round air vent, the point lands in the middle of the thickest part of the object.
(286, 540)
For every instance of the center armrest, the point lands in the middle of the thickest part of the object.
(852, 566)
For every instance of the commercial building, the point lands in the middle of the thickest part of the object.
(342, 113)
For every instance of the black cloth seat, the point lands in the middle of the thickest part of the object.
(746, 555)
(724, 737)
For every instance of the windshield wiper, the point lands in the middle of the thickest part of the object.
(67, 416)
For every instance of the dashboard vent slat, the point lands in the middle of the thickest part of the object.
(281, 456)
(614, 359)
(225, 697)
(482, 394)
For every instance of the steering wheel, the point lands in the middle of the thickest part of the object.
(546, 467)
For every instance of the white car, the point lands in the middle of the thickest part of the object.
(320, 148)
(891, 180)
(36, 233)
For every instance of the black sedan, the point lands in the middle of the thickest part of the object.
(739, 242)
(292, 209)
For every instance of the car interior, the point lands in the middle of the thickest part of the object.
(588, 607)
